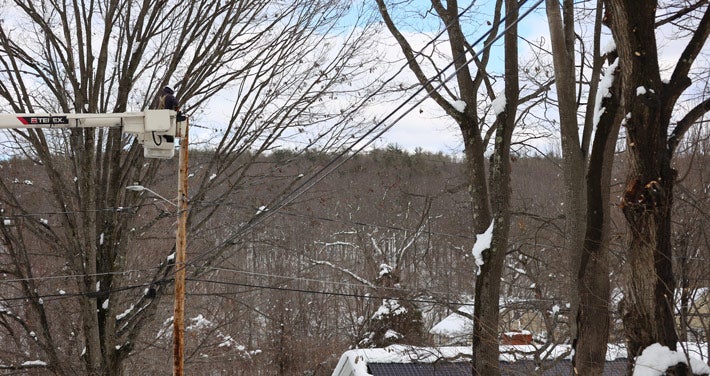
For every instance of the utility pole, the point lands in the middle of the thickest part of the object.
(180, 255)
(155, 130)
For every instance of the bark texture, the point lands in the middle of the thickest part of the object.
(647, 201)
(587, 197)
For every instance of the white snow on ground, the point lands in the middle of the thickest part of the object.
(167, 327)
(199, 322)
(483, 242)
(228, 341)
(392, 334)
(385, 269)
(655, 359)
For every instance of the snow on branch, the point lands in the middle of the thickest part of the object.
(346, 271)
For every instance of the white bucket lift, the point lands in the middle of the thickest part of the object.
(154, 129)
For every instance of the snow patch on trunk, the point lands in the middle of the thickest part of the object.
(483, 242)
(603, 91)
(498, 104)
(459, 105)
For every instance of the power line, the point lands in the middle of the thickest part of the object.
(68, 276)
(318, 292)
(101, 294)
(338, 160)
(352, 295)
(106, 293)
(335, 220)
(117, 209)
(324, 282)
(343, 156)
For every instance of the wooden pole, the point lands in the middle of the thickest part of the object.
(180, 257)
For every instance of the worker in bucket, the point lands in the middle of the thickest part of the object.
(167, 101)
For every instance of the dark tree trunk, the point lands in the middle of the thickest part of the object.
(647, 309)
(648, 304)
(592, 277)
(487, 294)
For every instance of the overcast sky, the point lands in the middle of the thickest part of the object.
(425, 127)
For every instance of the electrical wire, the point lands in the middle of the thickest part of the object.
(318, 292)
(334, 220)
(323, 282)
(64, 295)
(343, 156)
(106, 293)
(67, 276)
(437, 36)
(118, 209)
(335, 162)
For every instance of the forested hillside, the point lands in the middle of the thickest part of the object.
(297, 286)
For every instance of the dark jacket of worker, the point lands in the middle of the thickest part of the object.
(167, 100)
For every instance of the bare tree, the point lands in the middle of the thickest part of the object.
(113, 56)
(490, 197)
(386, 255)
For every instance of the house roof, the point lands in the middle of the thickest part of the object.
(402, 360)
(420, 369)
(455, 325)
(447, 361)
(562, 367)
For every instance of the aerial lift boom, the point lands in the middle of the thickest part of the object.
(154, 129)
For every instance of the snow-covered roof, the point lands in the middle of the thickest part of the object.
(455, 325)
(354, 362)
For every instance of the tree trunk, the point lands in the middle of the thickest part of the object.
(647, 201)
(593, 285)
(587, 199)
(487, 295)
(649, 104)
(573, 160)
